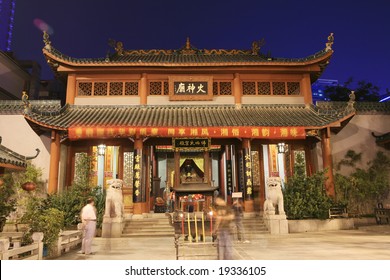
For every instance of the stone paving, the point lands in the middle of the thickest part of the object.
(365, 243)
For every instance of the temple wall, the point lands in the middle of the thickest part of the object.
(18, 136)
(134, 100)
(272, 100)
(356, 136)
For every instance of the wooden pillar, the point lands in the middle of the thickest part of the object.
(327, 161)
(309, 160)
(262, 178)
(306, 89)
(176, 169)
(54, 162)
(71, 89)
(139, 195)
(143, 91)
(207, 165)
(69, 166)
(248, 178)
(237, 89)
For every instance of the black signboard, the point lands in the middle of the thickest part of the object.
(190, 88)
(191, 143)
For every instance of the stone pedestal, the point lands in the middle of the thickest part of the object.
(277, 224)
(112, 227)
(249, 207)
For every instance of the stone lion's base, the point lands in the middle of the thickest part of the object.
(112, 227)
(276, 224)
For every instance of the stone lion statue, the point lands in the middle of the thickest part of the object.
(274, 196)
(114, 199)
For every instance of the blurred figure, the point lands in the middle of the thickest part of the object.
(88, 218)
(223, 229)
(238, 216)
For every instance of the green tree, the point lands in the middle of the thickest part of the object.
(364, 91)
(361, 190)
(7, 200)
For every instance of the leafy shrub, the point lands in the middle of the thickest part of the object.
(305, 197)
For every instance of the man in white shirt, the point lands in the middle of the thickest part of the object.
(88, 218)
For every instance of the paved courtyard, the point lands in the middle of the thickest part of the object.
(365, 243)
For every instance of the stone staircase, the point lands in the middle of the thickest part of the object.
(254, 227)
(153, 225)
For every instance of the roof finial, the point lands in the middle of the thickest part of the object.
(351, 102)
(46, 40)
(188, 43)
(27, 105)
(256, 46)
(328, 45)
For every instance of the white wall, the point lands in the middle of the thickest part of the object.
(18, 136)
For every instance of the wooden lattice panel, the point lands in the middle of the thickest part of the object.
(131, 88)
(155, 88)
(264, 88)
(215, 88)
(166, 88)
(279, 88)
(116, 88)
(249, 88)
(84, 89)
(100, 88)
(293, 88)
(225, 88)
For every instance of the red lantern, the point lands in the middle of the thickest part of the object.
(29, 186)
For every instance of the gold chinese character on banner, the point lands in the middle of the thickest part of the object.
(248, 173)
(131, 131)
(235, 132)
(142, 131)
(247, 157)
(136, 175)
(89, 132)
(248, 164)
(137, 166)
(255, 132)
(171, 131)
(182, 131)
(265, 132)
(136, 193)
(294, 132)
(205, 132)
(137, 184)
(284, 132)
(224, 132)
(137, 158)
(194, 131)
(249, 182)
(154, 131)
(100, 132)
(249, 191)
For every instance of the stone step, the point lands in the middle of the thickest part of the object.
(147, 230)
(143, 235)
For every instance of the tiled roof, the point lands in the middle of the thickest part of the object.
(11, 107)
(189, 116)
(156, 57)
(8, 156)
(362, 108)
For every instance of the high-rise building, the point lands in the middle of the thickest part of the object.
(7, 12)
(319, 86)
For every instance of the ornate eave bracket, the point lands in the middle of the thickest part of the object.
(329, 43)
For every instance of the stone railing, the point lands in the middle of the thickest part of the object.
(10, 248)
(68, 240)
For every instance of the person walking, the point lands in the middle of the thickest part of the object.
(238, 215)
(88, 219)
(223, 230)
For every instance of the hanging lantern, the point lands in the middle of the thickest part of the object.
(29, 186)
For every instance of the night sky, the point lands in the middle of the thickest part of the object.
(82, 28)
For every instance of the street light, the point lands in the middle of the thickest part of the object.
(101, 149)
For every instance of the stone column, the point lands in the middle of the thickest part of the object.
(139, 192)
(327, 161)
(143, 91)
(54, 162)
(248, 179)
